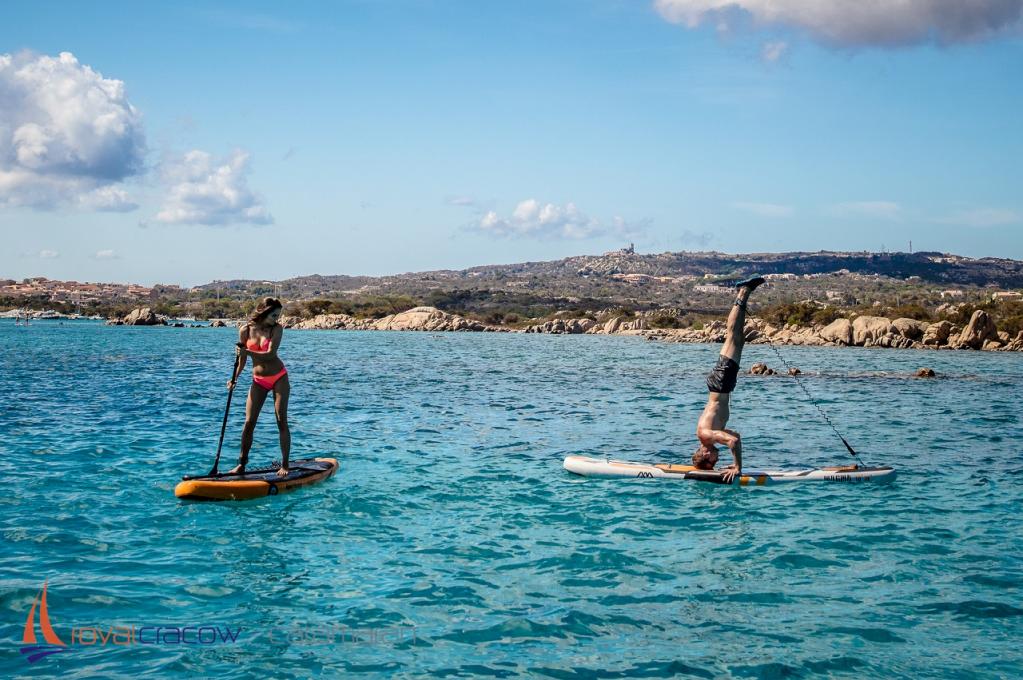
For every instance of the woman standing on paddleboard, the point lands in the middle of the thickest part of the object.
(260, 339)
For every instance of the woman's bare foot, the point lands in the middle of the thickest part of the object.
(282, 471)
(238, 469)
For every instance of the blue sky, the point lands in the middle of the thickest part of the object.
(258, 140)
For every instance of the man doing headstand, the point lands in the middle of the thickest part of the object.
(710, 428)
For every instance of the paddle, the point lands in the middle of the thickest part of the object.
(223, 427)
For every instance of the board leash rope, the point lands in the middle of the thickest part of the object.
(816, 404)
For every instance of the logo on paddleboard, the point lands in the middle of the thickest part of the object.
(32, 650)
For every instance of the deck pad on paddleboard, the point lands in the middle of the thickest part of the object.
(256, 483)
(602, 467)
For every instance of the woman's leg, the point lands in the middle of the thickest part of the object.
(253, 405)
(282, 392)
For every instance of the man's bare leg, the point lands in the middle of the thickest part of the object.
(735, 338)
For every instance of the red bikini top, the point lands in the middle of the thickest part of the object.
(258, 345)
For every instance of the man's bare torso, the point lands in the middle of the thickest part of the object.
(714, 416)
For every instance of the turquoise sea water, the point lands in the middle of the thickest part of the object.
(452, 543)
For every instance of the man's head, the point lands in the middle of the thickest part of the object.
(705, 457)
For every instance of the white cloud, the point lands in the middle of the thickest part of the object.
(65, 132)
(204, 191)
(765, 209)
(48, 254)
(856, 23)
(105, 255)
(879, 210)
(107, 199)
(773, 51)
(984, 217)
(533, 219)
(464, 201)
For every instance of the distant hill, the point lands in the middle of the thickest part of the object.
(676, 283)
(598, 275)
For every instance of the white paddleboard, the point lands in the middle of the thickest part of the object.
(602, 467)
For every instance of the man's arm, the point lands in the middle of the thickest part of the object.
(733, 441)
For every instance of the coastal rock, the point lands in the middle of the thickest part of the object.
(1016, 345)
(760, 368)
(1004, 337)
(715, 331)
(991, 345)
(794, 371)
(426, 319)
(582, 325)
(142, 316)
(567, 326)
(867, 329)
(634, 325)
(810, 338)
(219, 323)
(925, 373)
(417, 318)
(612, 325)
(329, 322)
(893, 340)
(980, 330)
(937, 334)
(839, 331)
(910, 328)
(682, 335)
(782, 337)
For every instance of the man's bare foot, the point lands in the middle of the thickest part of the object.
(238, 469)
(282, 471)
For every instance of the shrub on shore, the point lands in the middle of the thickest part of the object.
(363, 307)
(910, 311)
(1007, 314)
(801, 314)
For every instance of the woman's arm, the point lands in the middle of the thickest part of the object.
(243, 335)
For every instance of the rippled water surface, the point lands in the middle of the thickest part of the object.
(452, 543)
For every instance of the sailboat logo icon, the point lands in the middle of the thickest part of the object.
(35, 651)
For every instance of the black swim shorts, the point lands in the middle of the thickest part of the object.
(722, 378)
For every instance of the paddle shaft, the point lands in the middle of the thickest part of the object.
(223, 426)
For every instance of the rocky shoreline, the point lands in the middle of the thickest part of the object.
(862, 331)
(415, 319)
